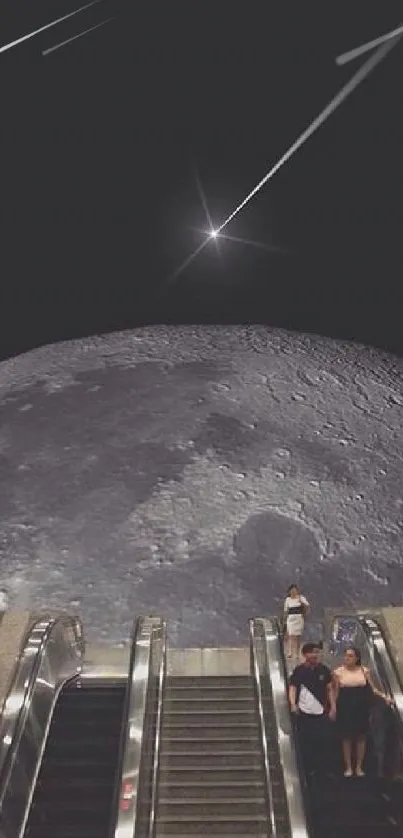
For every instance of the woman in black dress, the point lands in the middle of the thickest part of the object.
(354, 690)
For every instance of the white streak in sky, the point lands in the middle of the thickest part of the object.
(47, 26)
(334, 103)
(355, 53)
(80, 34)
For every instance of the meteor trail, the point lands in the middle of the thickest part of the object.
(80, 34)
(355, 53)
(334, 103)
(47, 26)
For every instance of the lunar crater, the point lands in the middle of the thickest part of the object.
(196, 472)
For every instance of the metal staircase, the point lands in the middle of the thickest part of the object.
(212, 776)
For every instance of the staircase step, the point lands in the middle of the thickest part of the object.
(195, 728)
(258, 831)
(250, 807)
(205, 825)
(223, 790)
(213, 682)
(209, 693)
(181, 717)
(201, 760)
(196, 775)
(209, 703)
(209, 744)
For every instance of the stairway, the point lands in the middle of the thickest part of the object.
(74, 794)
(212, 778)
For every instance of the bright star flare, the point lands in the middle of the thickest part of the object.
(334, 103)
(355, 53)
(47, 26)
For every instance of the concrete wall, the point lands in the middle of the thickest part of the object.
(392, 619)
(223, 661)
(14, 628)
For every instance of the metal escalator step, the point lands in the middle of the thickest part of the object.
(203, 759)
(214, 692)
(202, 825)
(238, 773)
(185, 718)
(78, 768)
(213, 745)
(210, 682)
(218, 789)
(259, 831)
(362, 831)
(76, 697)
(232, 807)
(75, 789)
(170, 726)
(215, 722)
(209, 702)
(66, 748)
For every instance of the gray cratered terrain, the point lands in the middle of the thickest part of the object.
(195, 472)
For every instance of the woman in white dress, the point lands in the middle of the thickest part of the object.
(296, 608)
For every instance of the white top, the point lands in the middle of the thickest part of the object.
(309, 704)
(294, 613)
(295, 602)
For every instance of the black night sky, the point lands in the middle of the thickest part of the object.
(103, 140)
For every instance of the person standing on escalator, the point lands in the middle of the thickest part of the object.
(354, 693)
(296, 608)
(312, 701)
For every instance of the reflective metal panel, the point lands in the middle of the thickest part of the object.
(269, 664)
(137, 786)
(52, 654)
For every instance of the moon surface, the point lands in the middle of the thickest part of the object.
(195, 472)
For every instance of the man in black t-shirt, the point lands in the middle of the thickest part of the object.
(312, 700)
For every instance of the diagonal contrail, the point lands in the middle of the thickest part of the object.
(74, 37)
(334, 103)
(355, 53)
(47, 26)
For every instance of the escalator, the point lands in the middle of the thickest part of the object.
(211, 765)
(334, 806)
(354, 808)
(75, 792)
(370, 806)
(74, 735)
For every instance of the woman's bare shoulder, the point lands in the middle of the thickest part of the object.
(338, 670)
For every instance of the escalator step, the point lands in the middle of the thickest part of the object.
(75, 789)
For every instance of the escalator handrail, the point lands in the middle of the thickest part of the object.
(381, 652)
(128, 820)
(52, 654)
(158, 732)
(297, 812)
(258, 687)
